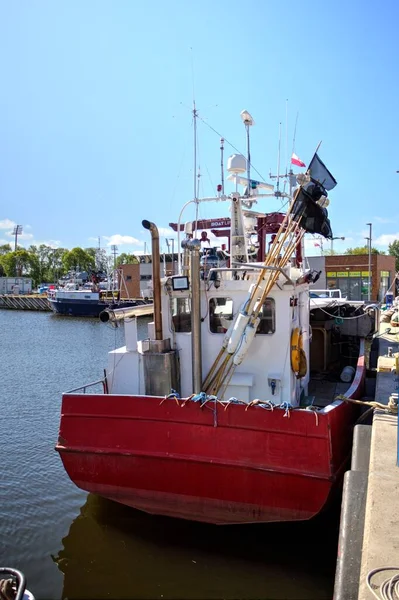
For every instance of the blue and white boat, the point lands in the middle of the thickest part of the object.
(84, 302)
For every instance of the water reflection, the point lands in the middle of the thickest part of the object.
(113, 551)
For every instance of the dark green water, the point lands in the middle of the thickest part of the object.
(75, 546)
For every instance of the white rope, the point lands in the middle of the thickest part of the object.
(389, 588)
(337, 316)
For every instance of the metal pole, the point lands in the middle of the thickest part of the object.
(173, 256)
(156, 277)
(248, 161)
(369, 278)
(196, 354)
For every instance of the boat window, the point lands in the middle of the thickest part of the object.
(181, 315)
(220, 314)
(267, 317)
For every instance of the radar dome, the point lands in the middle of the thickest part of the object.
(237, 163)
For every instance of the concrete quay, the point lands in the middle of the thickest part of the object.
(369, 528)
(380, 546)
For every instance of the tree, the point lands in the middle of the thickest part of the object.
(5, 248)
(21, 264)
(126, 259)
(100, 258)
(77, 258)
(393, 250)
(363, 250)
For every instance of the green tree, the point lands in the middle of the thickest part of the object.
(363, 250)
(126, 259)
(393, 250)
(21, 264)
(100, 258)
(5, 249)
(77, 258)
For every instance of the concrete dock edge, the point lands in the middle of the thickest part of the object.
(353, 508)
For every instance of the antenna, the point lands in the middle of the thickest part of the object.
(248, 122)
(286, 135)
(195, 114)
(222, 163)
(278, 158)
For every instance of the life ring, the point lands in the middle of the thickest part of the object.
(298, 356)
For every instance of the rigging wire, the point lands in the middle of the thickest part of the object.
(230, 144)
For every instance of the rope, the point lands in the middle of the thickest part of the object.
(391, 407)
(389, 588)
(8, 590)
(334, 316)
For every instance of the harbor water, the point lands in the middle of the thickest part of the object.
(77, 546)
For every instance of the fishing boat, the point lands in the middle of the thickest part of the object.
(237, 408)
(90, 299)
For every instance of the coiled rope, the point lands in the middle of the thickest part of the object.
(389, 588)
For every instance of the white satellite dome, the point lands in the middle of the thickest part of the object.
(237, 163)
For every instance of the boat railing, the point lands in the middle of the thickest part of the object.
(245, 267)
(83, 388)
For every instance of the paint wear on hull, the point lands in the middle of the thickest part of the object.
(208, 464)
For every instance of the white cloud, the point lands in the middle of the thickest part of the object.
(122, 240)
(166, 232)
(384, 220)
(7, 224)
(385, 239)
(52, 243)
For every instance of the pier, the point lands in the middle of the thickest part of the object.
(24, 302)
(369, 529)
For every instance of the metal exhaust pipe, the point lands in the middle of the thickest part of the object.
(156, 277)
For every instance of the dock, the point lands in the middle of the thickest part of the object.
(24, 302)
(369, 528)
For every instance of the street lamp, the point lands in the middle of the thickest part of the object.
(16, 232)
(332, 242)
(369, 278)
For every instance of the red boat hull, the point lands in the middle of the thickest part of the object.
(233, 465)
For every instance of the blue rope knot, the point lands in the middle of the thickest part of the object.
(201, 397)
(173, 394)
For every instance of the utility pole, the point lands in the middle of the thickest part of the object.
(114, 250)
(369, 279)
(16, 232)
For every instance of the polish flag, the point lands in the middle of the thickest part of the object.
(295, 160)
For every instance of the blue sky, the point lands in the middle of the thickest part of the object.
(95, 123)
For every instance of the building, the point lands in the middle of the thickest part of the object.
(15, 285)
(350, 274)
(130, 285)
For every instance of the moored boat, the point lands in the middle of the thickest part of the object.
(228, 413)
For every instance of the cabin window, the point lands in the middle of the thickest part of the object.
(267, 316)
(220, 314)
(181, 315)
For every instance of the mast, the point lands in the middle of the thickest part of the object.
(195, 115)
(222, 164)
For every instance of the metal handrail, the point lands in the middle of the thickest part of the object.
(20, 578)
(252, 267)
(83, 387)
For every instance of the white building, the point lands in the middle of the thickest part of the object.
(15, 285)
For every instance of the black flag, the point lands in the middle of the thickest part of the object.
(320, 174)
(306, 211)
